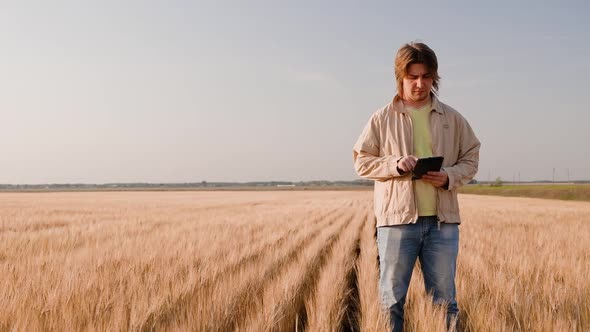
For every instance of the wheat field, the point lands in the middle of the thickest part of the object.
(275, 261)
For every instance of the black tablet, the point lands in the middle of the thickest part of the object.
(425, 165)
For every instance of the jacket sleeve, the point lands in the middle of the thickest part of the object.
(466, 166)
(365, 153)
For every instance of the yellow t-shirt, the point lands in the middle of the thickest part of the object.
(425, 192)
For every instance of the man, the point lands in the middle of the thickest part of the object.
(416, 219)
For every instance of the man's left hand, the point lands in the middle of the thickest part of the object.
(437, 179)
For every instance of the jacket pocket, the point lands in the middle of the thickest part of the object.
(401, 200)
(382, 196)
(448, 202)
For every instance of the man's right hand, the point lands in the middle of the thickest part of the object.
(407, 164)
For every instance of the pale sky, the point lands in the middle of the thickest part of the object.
(185, 91)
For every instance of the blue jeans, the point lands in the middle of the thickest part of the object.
(436, 245)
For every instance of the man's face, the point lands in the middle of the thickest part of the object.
(417, 84)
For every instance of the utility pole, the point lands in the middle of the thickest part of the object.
(568, 175)
(553, 174)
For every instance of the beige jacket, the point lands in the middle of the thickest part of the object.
(387, 138)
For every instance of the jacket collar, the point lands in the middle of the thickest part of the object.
(397, 105)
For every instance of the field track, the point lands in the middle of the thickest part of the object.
(274, 261)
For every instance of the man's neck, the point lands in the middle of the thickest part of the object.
(418, 104)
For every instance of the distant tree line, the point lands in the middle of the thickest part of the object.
(206, 184)
(201, 184)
